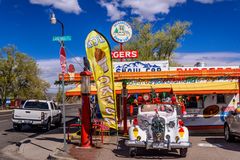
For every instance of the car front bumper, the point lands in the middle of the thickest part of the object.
(157, 145)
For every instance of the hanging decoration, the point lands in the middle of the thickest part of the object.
(164, 94)
(197, 98)
(204, 98)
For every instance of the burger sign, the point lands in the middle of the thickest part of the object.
(121, 31)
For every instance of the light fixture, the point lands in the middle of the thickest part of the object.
(53, 18)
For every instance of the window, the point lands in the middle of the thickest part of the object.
(55, 106)
(36, 105)
(191, 102)
(220, 98)
(52, 107)
(149, 107)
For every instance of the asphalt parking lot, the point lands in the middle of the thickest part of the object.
(203, 148)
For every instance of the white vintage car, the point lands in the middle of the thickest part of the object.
(158, 127)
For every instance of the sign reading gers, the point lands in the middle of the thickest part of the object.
(124, 54)
(121, 31)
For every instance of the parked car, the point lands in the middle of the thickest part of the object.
(232, 125)
(157, 127)
(39, 113)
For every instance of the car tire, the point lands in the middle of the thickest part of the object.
(47, 127)
(132, 152)
(17, 127)
(183, 152)
(227, 134)
(59, 123)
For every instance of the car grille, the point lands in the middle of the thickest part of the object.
(158, 128)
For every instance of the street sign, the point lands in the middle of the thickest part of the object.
(62, 38)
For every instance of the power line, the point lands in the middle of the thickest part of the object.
(74, 57)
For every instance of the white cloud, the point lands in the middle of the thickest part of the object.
(69, 6)
(112, 9)
(210, 58)
(50, 69)
(144, 9)
(148, 9)
(207, 1)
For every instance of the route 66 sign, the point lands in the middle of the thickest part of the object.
(121, 31)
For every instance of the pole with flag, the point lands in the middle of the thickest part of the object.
(63, 63)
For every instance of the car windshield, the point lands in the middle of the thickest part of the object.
(36, 105)
(159, 107)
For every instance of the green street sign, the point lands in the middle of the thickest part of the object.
(62, 38)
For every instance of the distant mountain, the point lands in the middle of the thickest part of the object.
(137, 64)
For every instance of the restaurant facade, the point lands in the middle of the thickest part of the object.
(208, 93)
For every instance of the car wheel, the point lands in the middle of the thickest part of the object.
(132, 152)
(17, 127)
(183, 152)
(227, 134)
(58, 124)
(47, 127)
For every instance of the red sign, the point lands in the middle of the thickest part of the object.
(124, 54)
(63, 59)
(71, 68)
(204, 68)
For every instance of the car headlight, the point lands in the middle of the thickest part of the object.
(135, 132)
(171, 124)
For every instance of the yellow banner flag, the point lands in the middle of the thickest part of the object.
(99, 57)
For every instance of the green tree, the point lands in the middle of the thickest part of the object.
(158, 45)
(19, 76)
(59, 93)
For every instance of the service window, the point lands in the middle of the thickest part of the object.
(191, 102)
(220, 98)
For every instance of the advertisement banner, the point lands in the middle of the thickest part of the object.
(141, 66)
(202, 68)
(63, 61)
(99, 57)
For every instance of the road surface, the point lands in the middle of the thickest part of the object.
(9, 136)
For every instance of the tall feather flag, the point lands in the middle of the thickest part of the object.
(99, 57)
(63, 60)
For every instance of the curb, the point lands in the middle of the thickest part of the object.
(54, 157)
(3, 112)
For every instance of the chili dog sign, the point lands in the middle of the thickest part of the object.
(124, 54)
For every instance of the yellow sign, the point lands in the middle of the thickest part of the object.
(99, 57)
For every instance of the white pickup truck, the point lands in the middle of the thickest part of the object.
(40, 113)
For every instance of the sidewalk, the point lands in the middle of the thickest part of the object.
(50, 146)
(107, 151)
(37, 148)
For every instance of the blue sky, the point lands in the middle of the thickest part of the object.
(215, 36)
